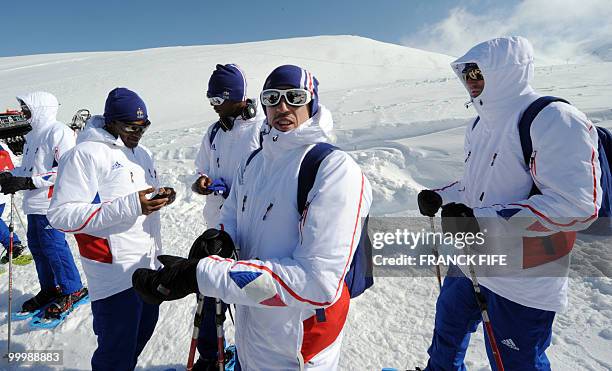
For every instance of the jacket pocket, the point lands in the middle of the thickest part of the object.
(94, 248)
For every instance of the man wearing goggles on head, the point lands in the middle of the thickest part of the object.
(226, 143)
(528, 199)
(49, 140)
(289, 282)
(102, 196)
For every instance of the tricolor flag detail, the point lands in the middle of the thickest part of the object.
(258, 286)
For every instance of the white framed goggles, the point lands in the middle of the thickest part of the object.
(294, 97)
(216, 101)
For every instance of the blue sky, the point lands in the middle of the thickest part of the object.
(43, 26)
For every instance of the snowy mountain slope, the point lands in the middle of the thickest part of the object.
(398, 111)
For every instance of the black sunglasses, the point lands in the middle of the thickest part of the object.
(132, 128)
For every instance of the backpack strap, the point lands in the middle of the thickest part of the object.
(213, 132)
(306, 178)
(524, 127)
(308, 171)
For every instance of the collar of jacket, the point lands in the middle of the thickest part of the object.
(316, 129)
(94, 132)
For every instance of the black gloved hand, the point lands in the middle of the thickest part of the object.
(13, 184)
(4, 176)
(458, 218)
(429, 202)
(213, 242)
(178, 277)
(175, 280)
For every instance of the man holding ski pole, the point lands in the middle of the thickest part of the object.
(529, 189)
(289, 283)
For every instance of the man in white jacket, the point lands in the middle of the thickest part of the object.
(291, 265)
(101, 198)
(496, 195)
(229, 140)
(49, 140)
(226, 143)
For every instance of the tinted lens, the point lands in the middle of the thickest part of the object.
(216, 101)
(297, 97)
(471, 71)
(134, 128)
(270, 97)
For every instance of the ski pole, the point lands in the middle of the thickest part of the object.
(220, 318)
(435, 251)
(10, 283)
(197, 321)
(13, 207)
(482, 303)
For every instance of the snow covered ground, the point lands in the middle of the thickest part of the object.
(399, 111)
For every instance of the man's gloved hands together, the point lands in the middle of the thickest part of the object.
(178, 277)
(13, 184)
(455, 217)
(429, 202)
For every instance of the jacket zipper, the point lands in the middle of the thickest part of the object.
(532, 164)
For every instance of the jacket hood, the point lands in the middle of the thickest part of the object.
(43, 105)
(507, 66)
(94, 132)
(318, 128)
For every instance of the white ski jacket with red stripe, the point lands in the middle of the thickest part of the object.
(497, 182)
(222, 158)
(290, 266)
(45, 144)
(96, 199)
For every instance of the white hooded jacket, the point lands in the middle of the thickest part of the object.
(222, 158)
(97, 199)
(496, 181)
(48, 141)
(290, 265)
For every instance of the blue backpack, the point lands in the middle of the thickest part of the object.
(359, 277)
(603, 225)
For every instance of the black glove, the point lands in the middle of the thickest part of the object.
(175, 280)
(429, 202)
(458, 218)
(13, 184)
(4, 176)
(178, 277)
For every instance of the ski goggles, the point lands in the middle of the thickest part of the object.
(294, 97)
(216, 101)
(471, 71)
(132, 128)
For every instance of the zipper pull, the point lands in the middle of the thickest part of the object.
(532, 164)
(267, 210)
(218, 162)
(468, 157)
(494, 157)
(244, 202)
(132, 176)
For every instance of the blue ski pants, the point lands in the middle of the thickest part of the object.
(124, 323)
(522, 333)
(4, 231)
(52, 256)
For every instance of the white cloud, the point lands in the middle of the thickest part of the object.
(560, 30)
